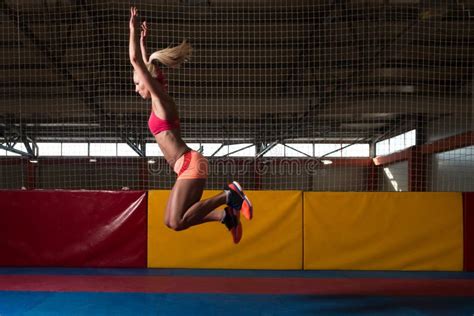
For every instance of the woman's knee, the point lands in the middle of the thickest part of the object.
(174, 223)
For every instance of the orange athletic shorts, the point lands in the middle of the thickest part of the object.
(191, 165)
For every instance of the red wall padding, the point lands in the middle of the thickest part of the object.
(468, 205)
(73, 228)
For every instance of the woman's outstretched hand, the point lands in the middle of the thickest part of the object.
(144, 31)
(134, 21)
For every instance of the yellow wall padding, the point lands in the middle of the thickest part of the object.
(383, 231)
(272, 240)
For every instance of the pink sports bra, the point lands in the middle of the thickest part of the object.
(158, 125)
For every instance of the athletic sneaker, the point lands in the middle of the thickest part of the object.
(232, 222)
(238, 200)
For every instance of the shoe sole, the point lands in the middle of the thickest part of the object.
(248, 212)
(237, 230)
(237, 233)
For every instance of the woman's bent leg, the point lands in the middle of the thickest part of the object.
(185, 208)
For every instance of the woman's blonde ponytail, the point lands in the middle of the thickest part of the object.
(173, 56)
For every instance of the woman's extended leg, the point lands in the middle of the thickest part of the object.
(185, 208)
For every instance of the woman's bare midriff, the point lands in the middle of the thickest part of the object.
(171, 145)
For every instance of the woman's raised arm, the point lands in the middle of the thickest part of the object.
(136, 59)
(143, 35)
